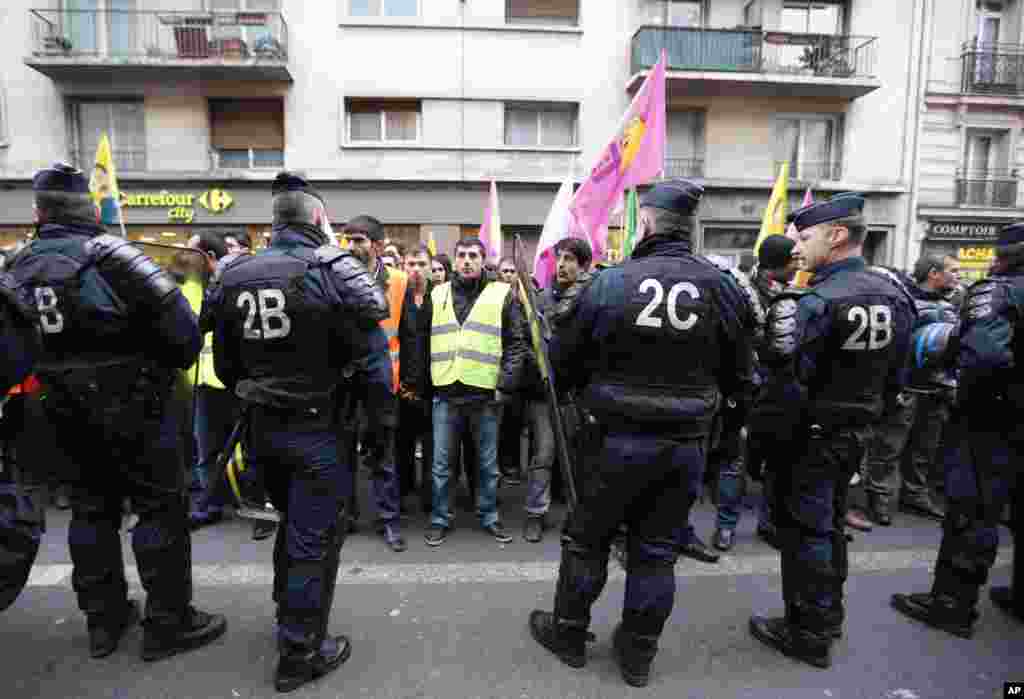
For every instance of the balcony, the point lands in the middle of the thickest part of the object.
(714, 62)
(676, 168)
(992, 69)
(73, 45)
(990, 189)
(809, 171)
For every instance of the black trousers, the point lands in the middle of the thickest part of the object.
(414, 422)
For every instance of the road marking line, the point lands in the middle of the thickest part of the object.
(359, 573)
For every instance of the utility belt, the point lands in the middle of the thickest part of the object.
(115, 396)
(288, 398)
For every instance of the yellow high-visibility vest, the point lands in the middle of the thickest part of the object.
(193, 291)
(469, 353)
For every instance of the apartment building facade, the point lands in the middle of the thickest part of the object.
(971, 151)
(406, 109)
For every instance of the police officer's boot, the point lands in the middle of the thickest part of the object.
(940, 611)
(634, 653)
(812, 647)
(301, 665)
(879, 510)
(566, 638)
(106, 630)
(1003, 597)
(194, 629)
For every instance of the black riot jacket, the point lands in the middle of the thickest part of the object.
(655, 343)
(288, 319)
(101, 299)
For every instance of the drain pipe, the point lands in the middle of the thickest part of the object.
(923, 75)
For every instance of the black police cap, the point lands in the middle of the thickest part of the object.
(839, 206)
(61, 177)
(290, 182)
(1011, 235)
(679, 196)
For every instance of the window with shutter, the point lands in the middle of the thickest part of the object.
(383, 121)
(556, 12)
(546, 125)
(247, 133)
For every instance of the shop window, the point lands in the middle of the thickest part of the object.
(373, 121)
(810, 144)
(550, 12)
(124, 123)
(383, 8)
(543, 125)
(685, 153)
(247, 134)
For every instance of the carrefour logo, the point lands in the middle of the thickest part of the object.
(181, 208)
(216, 200)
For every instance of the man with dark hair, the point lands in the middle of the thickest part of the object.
(776, 267)
(987, 418)
(414, 390)
(477, 352)
(573, 260)
(375, 396)
(299, 298)
(651, 349)
(116, 333)
(835, 356)
(906, 440)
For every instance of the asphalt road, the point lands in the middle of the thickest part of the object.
(451, 622)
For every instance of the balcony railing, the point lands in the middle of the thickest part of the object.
(992, 189)
(683, 167)
(125, 159)
(811, 170)
(133, 161)
(996, 69)
(147, 35)
(746, 51)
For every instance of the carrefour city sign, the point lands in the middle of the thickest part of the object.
(181, 208)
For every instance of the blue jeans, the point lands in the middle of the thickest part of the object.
(216, 412)
(538, 489)
(451, 420)
(731, 479)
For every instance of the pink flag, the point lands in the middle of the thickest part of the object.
(635, 156)
(808, 200)
(490, 229)
(558, 226)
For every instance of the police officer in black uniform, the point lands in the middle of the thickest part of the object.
(21, 507)
(287, 320)
(652, 349)
(990, 399)
(835, 356)
(116, 332)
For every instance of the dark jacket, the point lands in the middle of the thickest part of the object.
(532, 387)
(414, 340)
(514, 344)
(643, 366)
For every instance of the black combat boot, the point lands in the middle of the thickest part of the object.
(942, 612)
(634, 653)
(566, 639)
(194, 630)
(106, 630)
(1003, 598)
(812, 648)
(295, 670)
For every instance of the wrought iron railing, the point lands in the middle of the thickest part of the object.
(160, 35)
(995, 189)
(684, 167)
(747, 51)
(125, 159)
(992, 68)
(811, 170)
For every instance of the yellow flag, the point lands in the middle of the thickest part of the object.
(774, 221)
(103, 184)
(432, 245)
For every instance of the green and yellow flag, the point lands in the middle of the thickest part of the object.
(774, 221)
(103, 184)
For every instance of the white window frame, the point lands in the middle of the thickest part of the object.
(381, 15)
(572, 108)
(4, 128)
(834, 147)
(76, 121)
(384, 140)
(252, 165)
